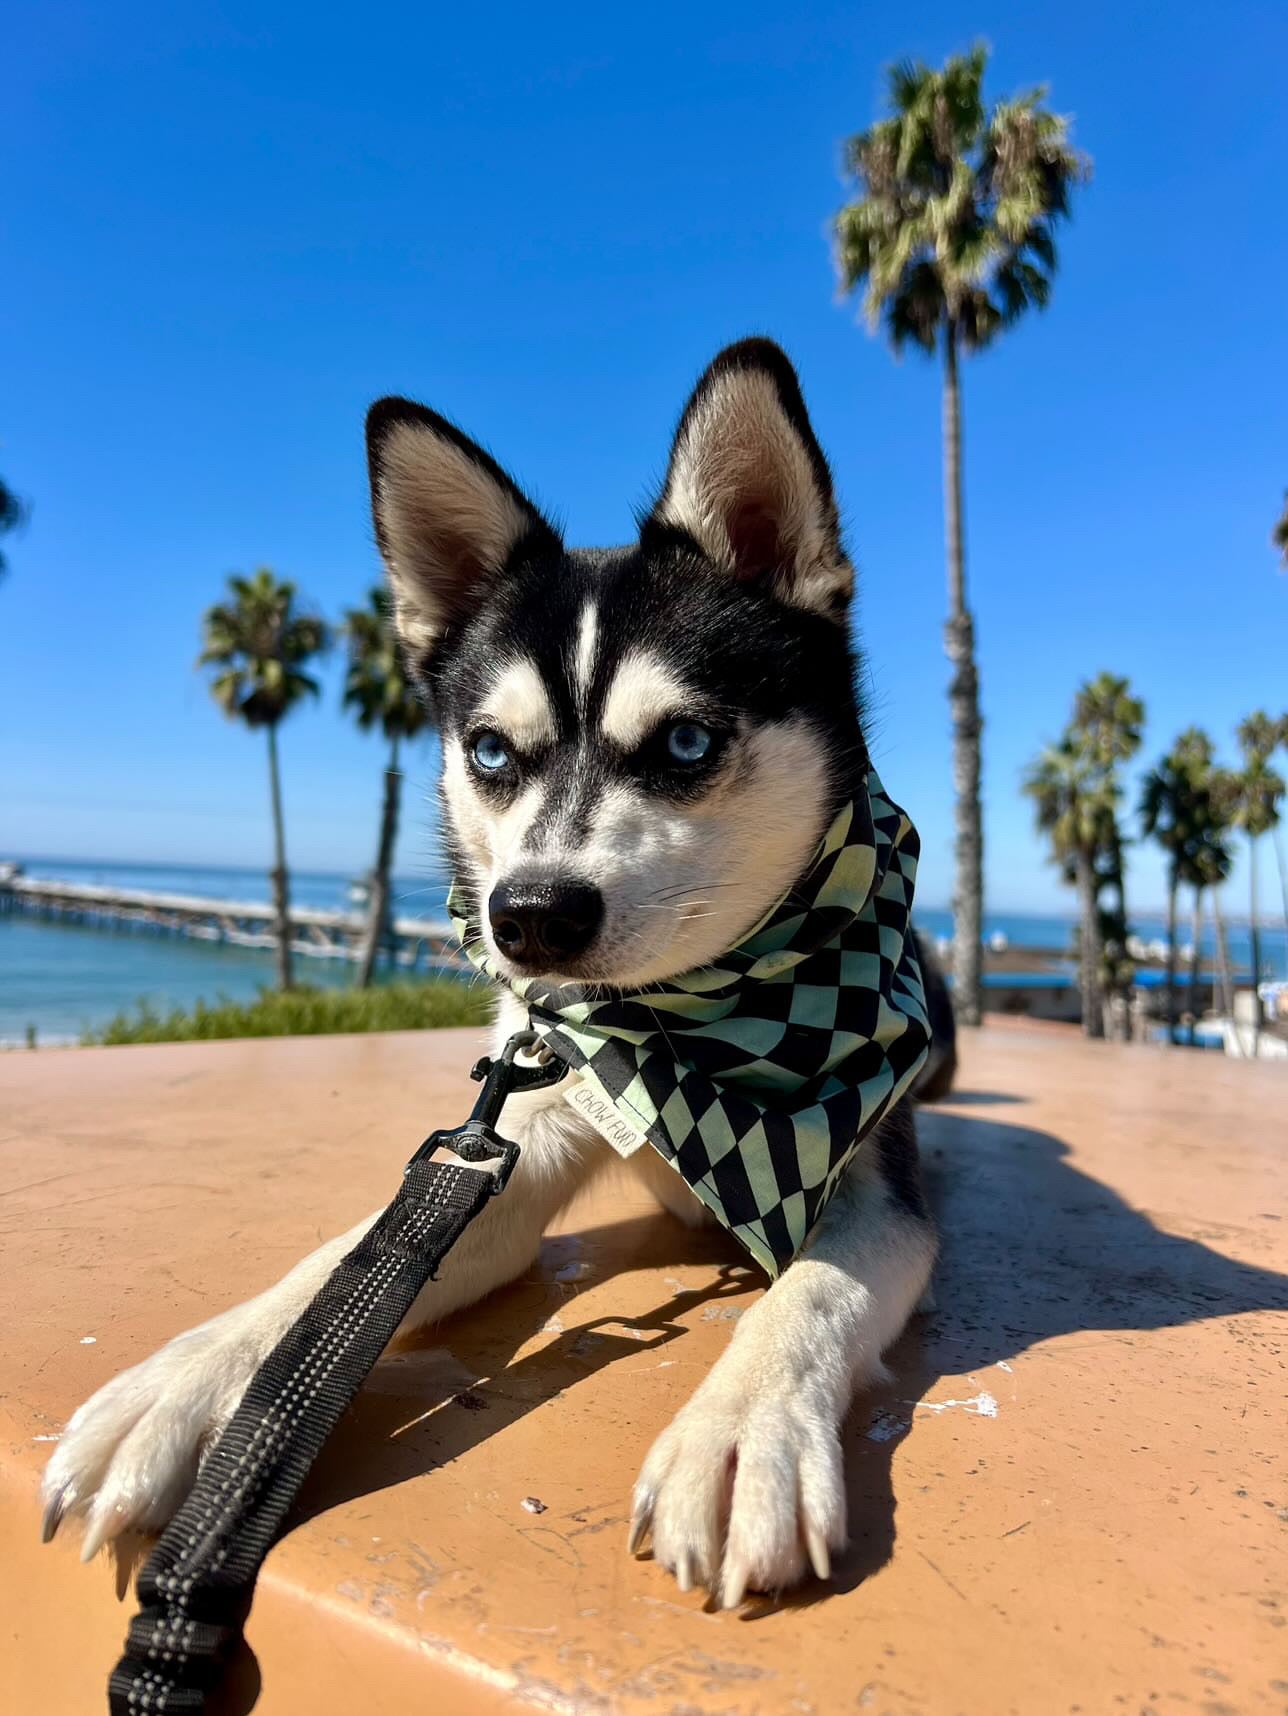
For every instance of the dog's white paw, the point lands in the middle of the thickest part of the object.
(745, 1490)
(129, 1455)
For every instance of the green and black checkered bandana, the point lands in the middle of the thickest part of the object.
(757, 1077)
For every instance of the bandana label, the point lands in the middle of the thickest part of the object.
(760, 1075)
(599, 1112)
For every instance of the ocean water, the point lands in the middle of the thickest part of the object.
(62, 979)
(328, 890)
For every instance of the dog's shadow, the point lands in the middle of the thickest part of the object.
(1032, 1249)
(432, 1398)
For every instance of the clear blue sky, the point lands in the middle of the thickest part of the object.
(228, 228)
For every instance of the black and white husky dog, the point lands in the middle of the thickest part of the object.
(641, 750)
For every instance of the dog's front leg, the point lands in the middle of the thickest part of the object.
(129, 1455)
(746, 1488)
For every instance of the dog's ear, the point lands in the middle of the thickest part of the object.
(447, 518)
(749, 484)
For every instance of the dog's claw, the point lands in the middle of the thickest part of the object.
(101, 1526)
(55, 1508)
(684, 1571)
(820, 1557)
(733, 1587)
(640, 1522)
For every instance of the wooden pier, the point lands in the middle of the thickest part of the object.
(414, 943)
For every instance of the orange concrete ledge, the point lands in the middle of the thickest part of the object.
(1072, 1498)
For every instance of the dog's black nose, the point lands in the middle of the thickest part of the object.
(544, 925)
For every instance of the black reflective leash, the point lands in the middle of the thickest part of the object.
(196, 1587)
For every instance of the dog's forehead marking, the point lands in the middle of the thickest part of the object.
(644, 690)
(518, 703)
(584, 657)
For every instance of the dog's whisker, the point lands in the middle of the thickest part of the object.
(678, 907)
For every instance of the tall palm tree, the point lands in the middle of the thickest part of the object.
(377, 689)
(260, 642)
(1109, 719)
(951, 233)
(1177, 810)
(1066, 789)
(1223, 961)
(1206, 864)
(1255, 793)
(1076, 791)
(1117, 967)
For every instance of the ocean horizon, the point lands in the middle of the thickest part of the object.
(63, 979)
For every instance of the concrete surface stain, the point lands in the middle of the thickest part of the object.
(553, 1542)
(935, 1568)
(615, 1519)
(981, 1405)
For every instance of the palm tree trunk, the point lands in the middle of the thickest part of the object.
(1196, 934)
(379, 906)
(281, 884)
(1123, 983)
(963, 704)
(1172, 885)
(1258, 1019)
(1223, 968)
(1093, 1011)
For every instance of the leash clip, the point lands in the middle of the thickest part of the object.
(470, 1145)
(476, 1142)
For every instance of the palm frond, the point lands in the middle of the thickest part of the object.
(915, 313)
(377, 687)
(1255, 792)
(1188, 804)
(260, 641)
(946, 186)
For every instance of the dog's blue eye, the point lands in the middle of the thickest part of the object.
(687, 742)
(490, 752)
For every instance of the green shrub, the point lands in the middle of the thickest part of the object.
(306, 1012)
